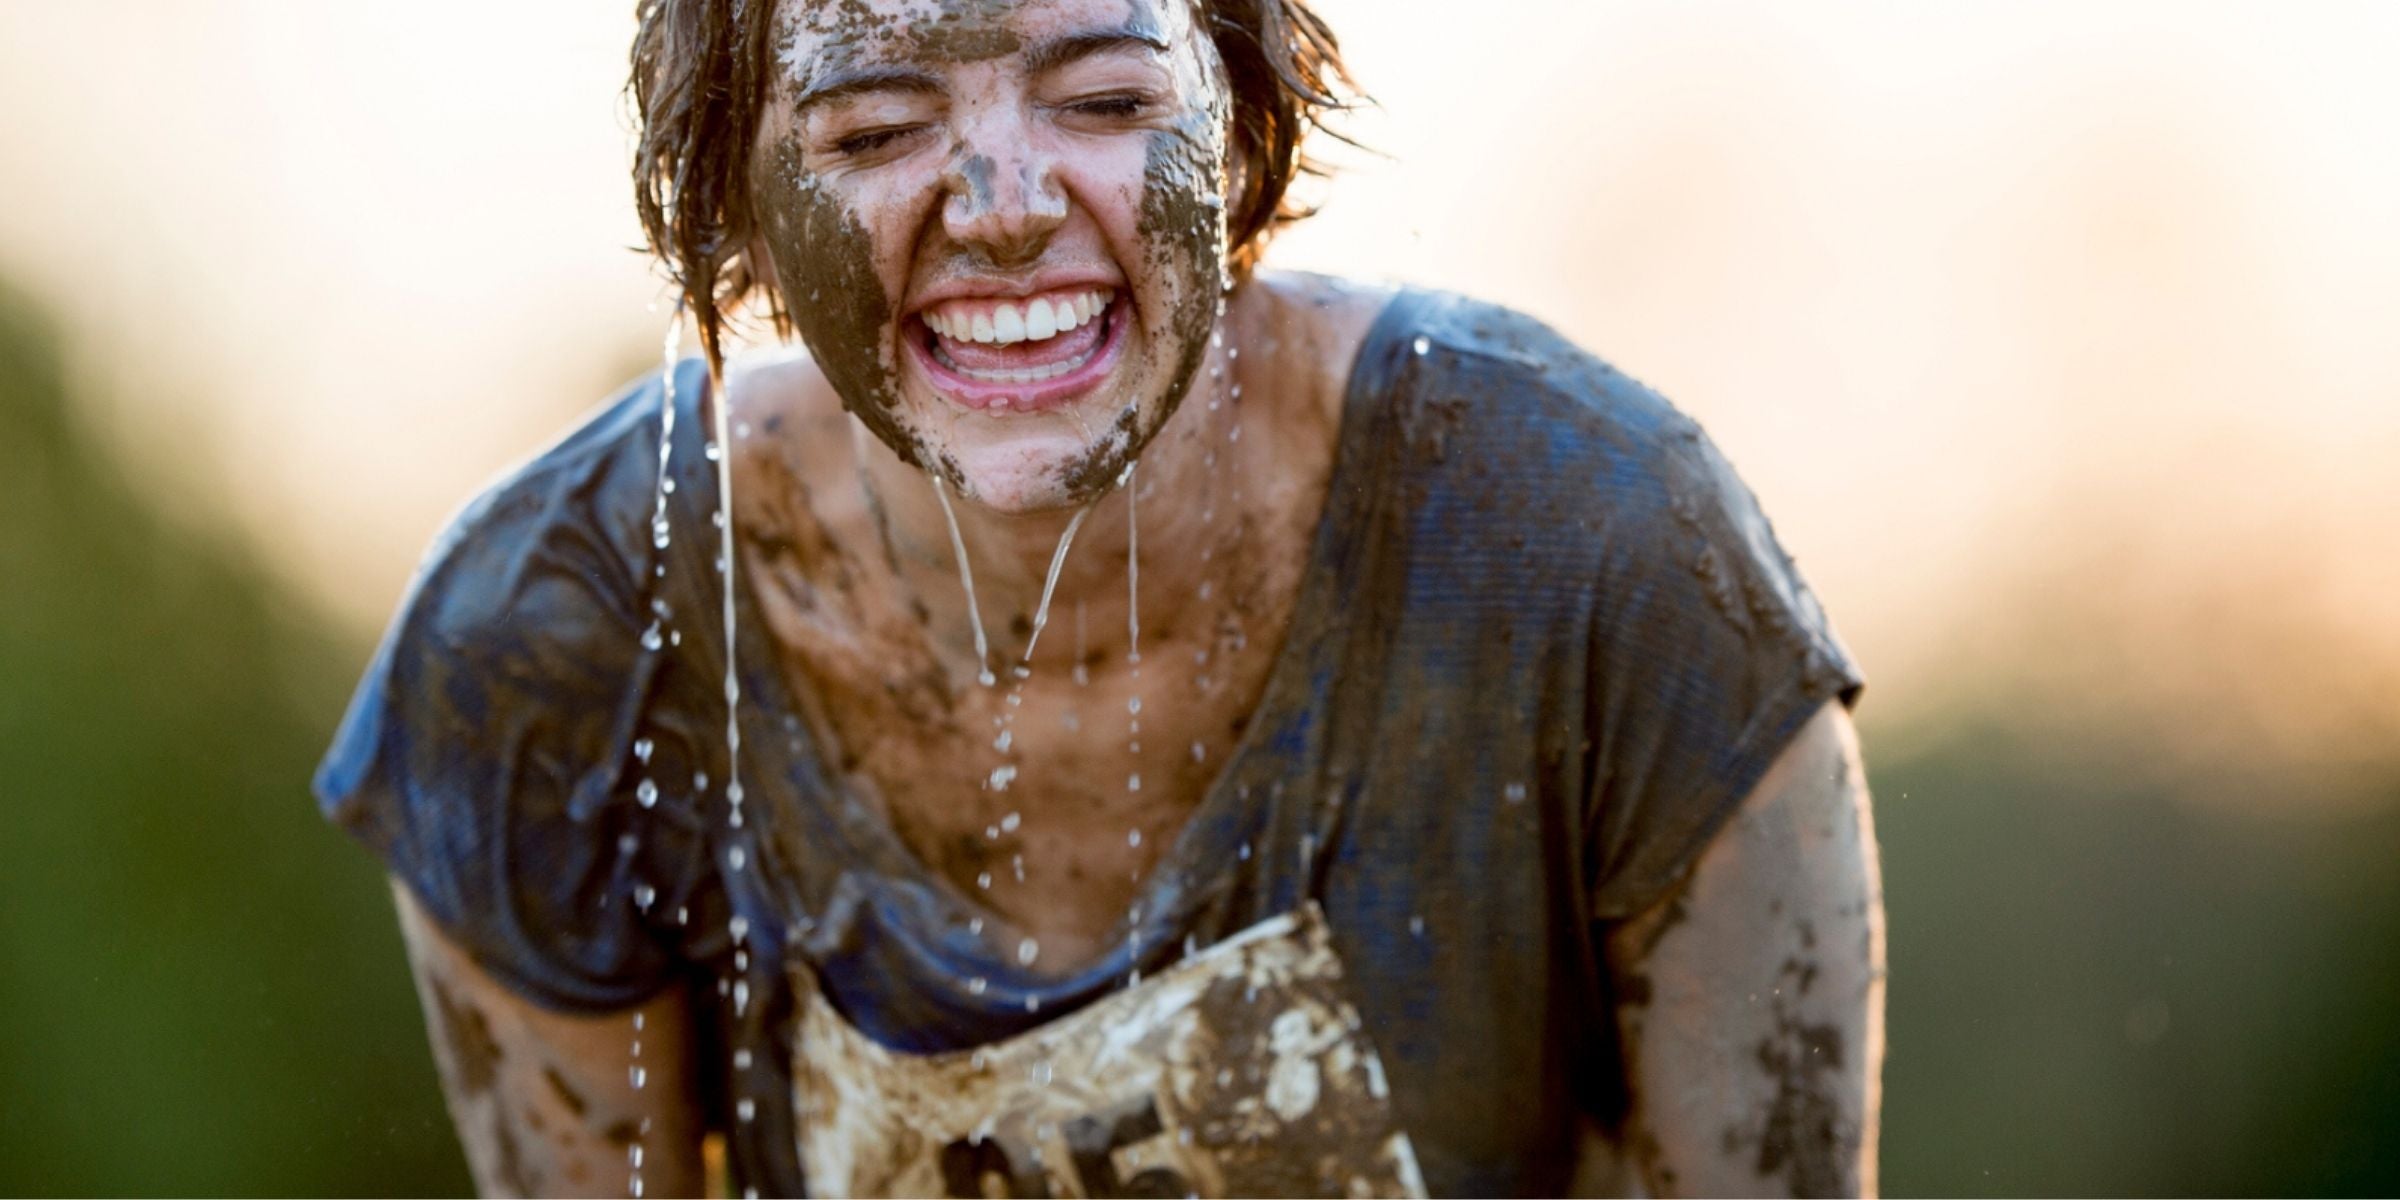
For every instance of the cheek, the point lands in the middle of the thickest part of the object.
(827, 271)
(1182, 231)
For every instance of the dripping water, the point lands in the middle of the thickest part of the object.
(966, 578)
(1041, 612)
(646, 792)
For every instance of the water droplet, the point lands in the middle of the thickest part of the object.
(1033, 1004)
(633, 1155)
(1423, 347)
(977, 986)
(641, 749)
(1199, 752)
(741, 997)
(737, 858)
(1009, 823)
(652, 639)
(1416, 926)
(1027, 951)
(739, 927)
(984, 880)
(1004, 741)
(1133, 782)
(640, 1076)
(699, 781)
(1245, 852)
(1016, 863)
(713, 454)
(644, 896)
(742, 1059)
(1514, 793)
(1133, 837)
(1134, 705)
(1002, 776)
(646, 793)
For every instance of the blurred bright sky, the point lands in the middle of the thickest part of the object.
(2034, 325)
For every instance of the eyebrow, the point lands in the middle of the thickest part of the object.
(842, 84)
(1074, 47)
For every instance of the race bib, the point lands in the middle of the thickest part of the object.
(1238, 1072)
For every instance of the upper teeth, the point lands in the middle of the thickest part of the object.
(1006, 324)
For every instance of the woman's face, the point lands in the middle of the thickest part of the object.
(999, 225)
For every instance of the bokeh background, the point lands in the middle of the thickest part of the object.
(2061, 339)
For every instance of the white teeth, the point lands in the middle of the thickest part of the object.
(1040, 324)
(1008, 325)
(1031, 375)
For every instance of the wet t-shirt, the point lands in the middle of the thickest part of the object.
(1545, 644)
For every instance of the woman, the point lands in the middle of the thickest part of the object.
(1187, 728)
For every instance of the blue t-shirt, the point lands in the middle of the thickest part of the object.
(1545, 644)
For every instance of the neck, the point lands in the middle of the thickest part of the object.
(1139, 558)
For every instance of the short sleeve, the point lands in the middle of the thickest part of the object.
(495, 751)
(1708, 653)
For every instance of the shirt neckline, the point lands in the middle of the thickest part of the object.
(854, 836)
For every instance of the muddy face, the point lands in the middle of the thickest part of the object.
(999, 226)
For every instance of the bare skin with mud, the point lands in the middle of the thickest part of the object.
(1751, 999)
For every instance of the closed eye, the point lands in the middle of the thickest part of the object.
(1118, 106)
(869, 141)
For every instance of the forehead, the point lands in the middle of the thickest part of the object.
(815, 36)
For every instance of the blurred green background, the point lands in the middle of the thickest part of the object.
(2056, 336)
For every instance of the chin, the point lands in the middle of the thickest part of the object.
(1021, 472)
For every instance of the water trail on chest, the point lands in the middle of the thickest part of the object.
(966, 578)
(1133, 628)
(1133, 569)
(1041, 612)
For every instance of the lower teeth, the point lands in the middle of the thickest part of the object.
(1031, 375)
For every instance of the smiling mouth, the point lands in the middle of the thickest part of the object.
(1021, 355)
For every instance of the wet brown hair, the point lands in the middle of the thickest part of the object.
(700, 83)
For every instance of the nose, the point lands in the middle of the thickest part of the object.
(1005, 198)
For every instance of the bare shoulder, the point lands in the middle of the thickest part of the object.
(1310, 326)
(781, 389)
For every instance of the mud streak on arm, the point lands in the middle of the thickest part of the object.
(1751, 998)
(543, 1101)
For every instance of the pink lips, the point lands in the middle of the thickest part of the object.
(999, 398)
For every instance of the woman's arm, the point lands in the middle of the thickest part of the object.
(544, 1102)
(1751, 999)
